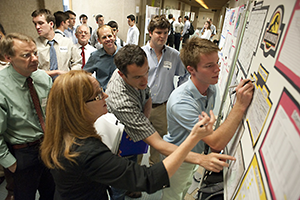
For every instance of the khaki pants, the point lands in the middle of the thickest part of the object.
(180, 182)
(158, 118)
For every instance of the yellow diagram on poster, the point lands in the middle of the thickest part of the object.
(259, 109)
(252, 187)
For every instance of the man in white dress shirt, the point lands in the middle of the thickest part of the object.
(84, 49)
(133, 32)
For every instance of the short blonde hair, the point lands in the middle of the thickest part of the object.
(190, 53)
(7, 43)
(103, 27)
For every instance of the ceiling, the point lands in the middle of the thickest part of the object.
(212, 4)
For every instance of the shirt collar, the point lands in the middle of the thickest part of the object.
(103, 52)
(18, 78)
(151, 49)
(71, 29)
(196, 94)
(79, 46)
(45, 41)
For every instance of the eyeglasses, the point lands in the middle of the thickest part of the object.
(100, 96)
(83, 32)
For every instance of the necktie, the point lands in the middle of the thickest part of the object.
(36, 102)
(53, 58)
(83, 56)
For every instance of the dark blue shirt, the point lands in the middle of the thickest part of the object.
(103, 64)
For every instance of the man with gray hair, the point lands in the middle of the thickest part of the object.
(84, 49)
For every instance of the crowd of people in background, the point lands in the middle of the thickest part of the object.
(54, 87)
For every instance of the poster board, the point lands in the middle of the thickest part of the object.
(268, 140)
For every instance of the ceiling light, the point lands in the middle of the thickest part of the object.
(201, 2)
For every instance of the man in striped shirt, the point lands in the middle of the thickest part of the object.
(129, 99)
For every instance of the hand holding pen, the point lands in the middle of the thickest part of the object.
(206, 123)
(244, 94)
(233, 86)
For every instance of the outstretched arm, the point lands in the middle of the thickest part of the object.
(213, 162)
(228, 128)
(55, 72)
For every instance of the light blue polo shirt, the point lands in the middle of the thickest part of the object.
(183, 108)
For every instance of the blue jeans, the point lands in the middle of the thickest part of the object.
(119, 194)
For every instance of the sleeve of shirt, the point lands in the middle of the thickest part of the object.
(214, 30)
(109, 169)
(124, 107)
(135, 37)
(181, 72)
(76, 59)
(184, 29)
(90, 65)
(6, 158)
(185, 114)
(93, 39)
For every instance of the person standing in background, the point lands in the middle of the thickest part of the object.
(83, 47)
(170, 41)
(70, 31)
(115, 28)
(164, 63)
(102, 60)
(133, 32)
(83, 18)
(94, 38)
(61, 22)
(212, 28)
(178, 28)
(4, 172)
(57, 54)
(185, 33)
(206, 34)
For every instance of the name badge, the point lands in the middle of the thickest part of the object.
(63, 49)
(167, 64)
(44, 102)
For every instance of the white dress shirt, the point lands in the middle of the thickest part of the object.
(88, 49)
(133, 35)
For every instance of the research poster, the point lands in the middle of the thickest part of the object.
(287, 63)
(280, 149)
(269, 137)
(252, 186)
(253, 32)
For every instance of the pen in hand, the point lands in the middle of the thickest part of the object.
(203, 125)
(237, 85)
